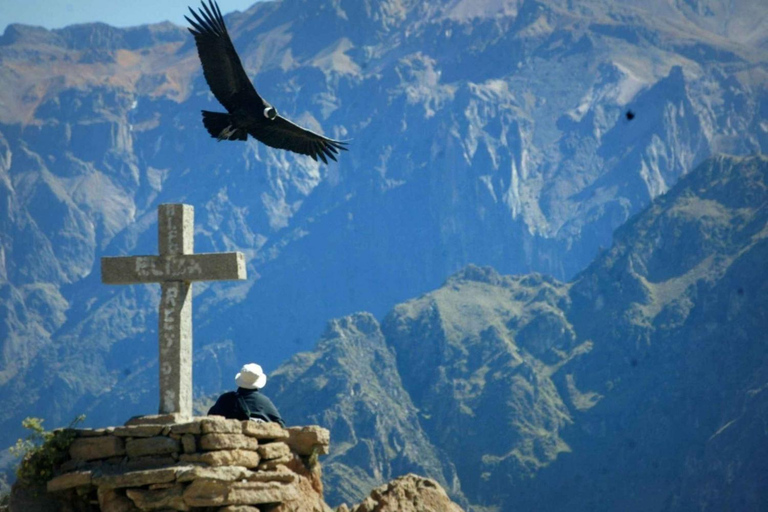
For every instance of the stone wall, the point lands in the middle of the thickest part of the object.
(209, 463)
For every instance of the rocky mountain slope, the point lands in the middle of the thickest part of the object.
(485, 132)
(639, 385)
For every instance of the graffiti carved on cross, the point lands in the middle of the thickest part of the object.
(175, 268)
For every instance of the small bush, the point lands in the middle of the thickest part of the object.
(42, 451)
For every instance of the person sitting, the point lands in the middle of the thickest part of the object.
(246, 402)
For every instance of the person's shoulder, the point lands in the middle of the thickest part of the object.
(264, 399)
(227, 396)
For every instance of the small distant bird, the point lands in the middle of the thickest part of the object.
(630, 115)
(248, 113)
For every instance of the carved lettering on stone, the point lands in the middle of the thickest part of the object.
(175, 269)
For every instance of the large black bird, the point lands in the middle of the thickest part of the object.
(248, 113)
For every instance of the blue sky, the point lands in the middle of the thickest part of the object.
(120, 13)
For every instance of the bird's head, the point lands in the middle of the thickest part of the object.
(270, 113)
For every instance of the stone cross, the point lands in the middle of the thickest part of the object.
(175, 269)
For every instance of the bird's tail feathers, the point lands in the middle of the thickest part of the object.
(219, 125)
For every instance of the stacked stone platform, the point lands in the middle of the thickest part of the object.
(208, 463)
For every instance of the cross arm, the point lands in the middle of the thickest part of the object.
(180, 267)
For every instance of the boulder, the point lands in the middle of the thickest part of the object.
(409, 493)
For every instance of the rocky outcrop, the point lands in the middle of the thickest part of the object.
(208, 462)
(352, 386)
(409, 493)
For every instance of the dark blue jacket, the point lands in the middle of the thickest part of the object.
(260, 406)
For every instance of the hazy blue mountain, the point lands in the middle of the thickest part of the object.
(639, 385)
(487, 132)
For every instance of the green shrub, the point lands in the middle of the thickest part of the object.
(42, 451)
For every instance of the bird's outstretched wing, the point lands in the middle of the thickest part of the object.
(282, 134)
(221, 65)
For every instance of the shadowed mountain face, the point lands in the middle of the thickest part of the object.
(640, 385)
(485, 132)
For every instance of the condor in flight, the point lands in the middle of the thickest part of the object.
(247, 113)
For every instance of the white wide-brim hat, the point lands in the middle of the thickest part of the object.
(251, 376)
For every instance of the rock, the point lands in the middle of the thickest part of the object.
(309, 476)
(91, 448)
(171, 497)
(192, 427)
(152, 446)
(255, 493)
(218, 441)
(238, 508)
(265, 430)
(309, 499)
(206, 493)
(223, 473)
(309, 440)
(219, 424)
(138, 478)
(270, 465)
(73, 465)
(279, 474)
(91, 432)
(210, 493)
(409, 493)
(160, 486)
(188, 443)
(158, 419)
(274, 451)
(69, 480)
(111, 500)
(149, 462)
(32, 499)
(139, 431)
(247, 458)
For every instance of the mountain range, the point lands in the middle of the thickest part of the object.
(489, 133)
(642, 384)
